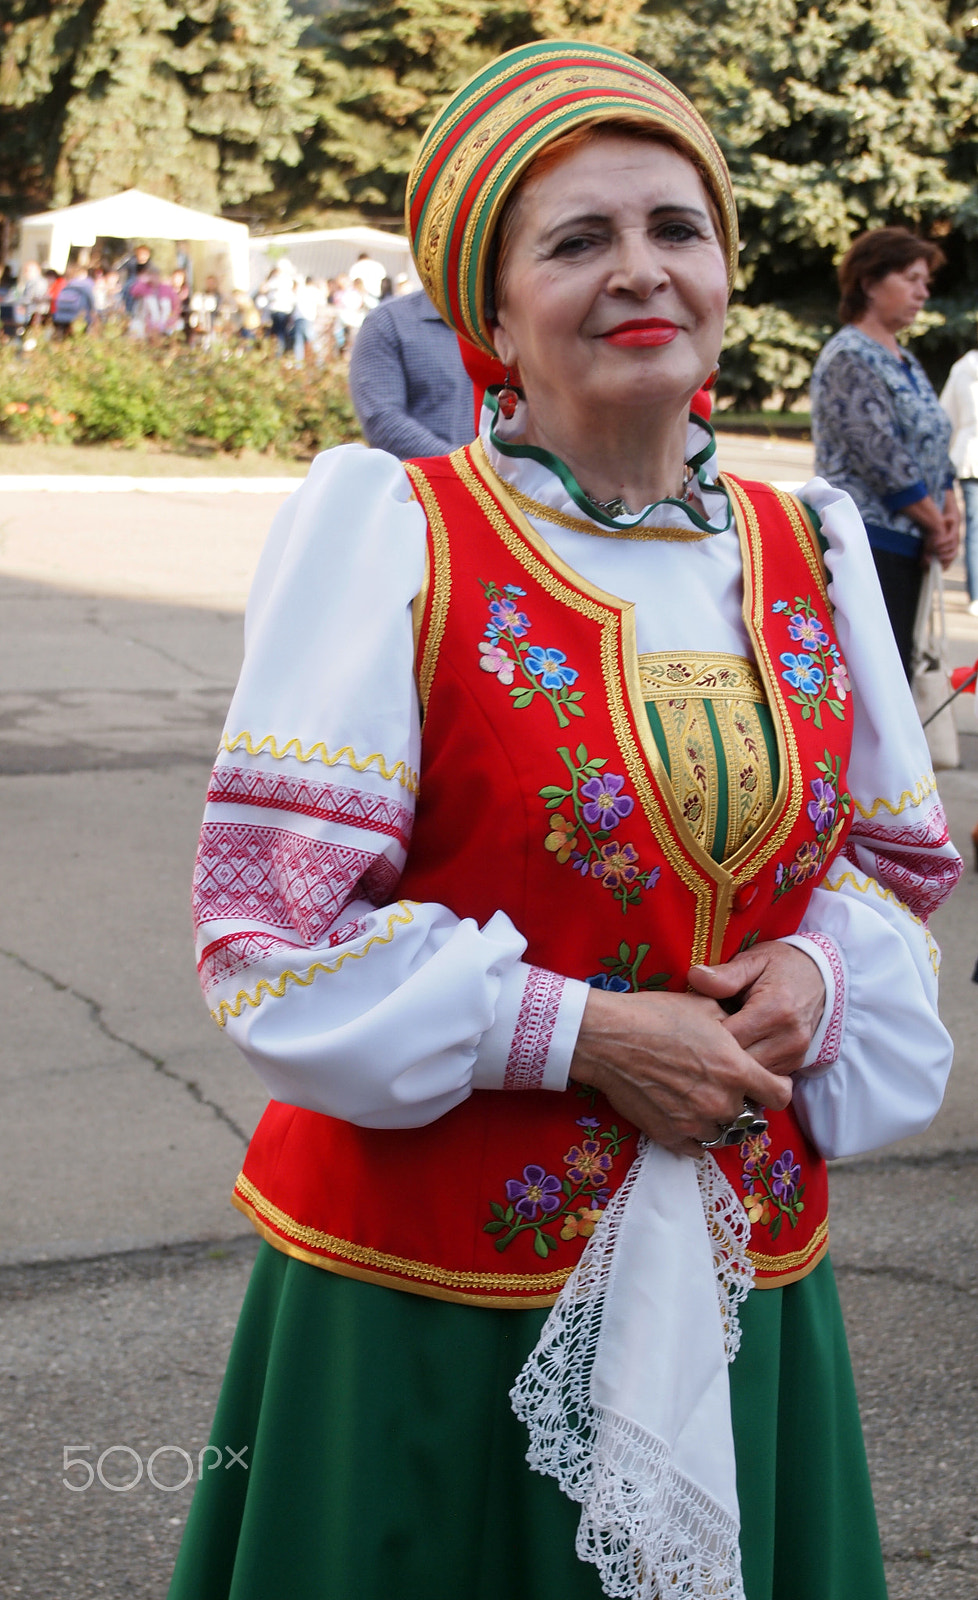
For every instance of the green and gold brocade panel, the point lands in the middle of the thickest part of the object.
(715, 735)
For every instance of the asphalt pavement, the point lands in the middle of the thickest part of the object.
(124, 1113)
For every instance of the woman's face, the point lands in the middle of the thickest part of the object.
(896, 299)
(615, 284)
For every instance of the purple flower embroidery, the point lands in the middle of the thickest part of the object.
(587, 1162)
(822, 808)
(784, 1175)
(540, 1191)
(618, 865)
(606, 805)
(755, 1150)
(548, 666)
(617, 985)
(807, 630)
(808, 859)
(588, 1122)
(506, 614)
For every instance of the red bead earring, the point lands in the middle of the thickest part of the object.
(508, 397)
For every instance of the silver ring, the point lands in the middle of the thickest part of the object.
(749, 1124)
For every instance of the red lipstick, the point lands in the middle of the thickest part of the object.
(642, 333)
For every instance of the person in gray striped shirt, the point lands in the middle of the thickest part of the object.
(411, 392)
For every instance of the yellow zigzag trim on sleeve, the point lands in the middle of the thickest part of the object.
(887, 894)
(909, 797)
(403, 774)
(275, 991)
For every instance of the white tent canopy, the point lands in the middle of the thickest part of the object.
(327, 252)
(48, 236)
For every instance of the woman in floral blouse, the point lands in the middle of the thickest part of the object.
(878, 426)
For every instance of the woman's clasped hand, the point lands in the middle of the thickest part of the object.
(680, 1066)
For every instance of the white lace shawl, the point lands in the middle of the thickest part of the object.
(626, 1396)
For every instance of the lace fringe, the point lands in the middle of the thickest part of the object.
(647, 1528)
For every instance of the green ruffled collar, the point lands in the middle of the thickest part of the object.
(701, 462)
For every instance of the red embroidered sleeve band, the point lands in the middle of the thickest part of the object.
(826, 1042)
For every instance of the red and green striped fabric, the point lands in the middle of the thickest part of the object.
(488, 134)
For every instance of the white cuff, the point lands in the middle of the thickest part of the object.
(826, 1041)
(533, 1033)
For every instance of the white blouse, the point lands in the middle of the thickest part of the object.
(389, 1013)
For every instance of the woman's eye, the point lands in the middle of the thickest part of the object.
(575, 245)
(677, 232)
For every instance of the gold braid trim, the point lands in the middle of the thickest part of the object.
(275, 991)
(666, 675)
(868, 884)
(910, 797)
(359, 1260)
(807, 1260)
(790, 796)
(797, 513)
(442, 577)
(647, 531)
(347, 756)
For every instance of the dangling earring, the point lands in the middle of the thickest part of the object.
(508, 397)
(711, 380)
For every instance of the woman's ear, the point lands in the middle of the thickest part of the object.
(505, 348)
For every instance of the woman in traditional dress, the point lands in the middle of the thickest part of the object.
(674, 838)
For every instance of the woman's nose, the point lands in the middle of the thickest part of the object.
(638, 268)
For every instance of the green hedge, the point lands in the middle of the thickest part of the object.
(104, 387)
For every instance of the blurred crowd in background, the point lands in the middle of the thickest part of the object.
(306, 318)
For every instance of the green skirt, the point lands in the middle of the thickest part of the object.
(386, 1464)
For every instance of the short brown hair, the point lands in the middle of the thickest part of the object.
(870, 257)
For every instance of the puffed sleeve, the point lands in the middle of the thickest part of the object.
(881, 1058)
(345, 998)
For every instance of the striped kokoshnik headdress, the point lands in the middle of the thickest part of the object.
(479, 146)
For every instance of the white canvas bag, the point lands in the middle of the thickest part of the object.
(931, 680)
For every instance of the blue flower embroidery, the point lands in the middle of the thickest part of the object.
(548, 666)
(503, 653)
(818, 672)
(802, 672)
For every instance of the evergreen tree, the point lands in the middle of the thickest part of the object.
(382, 71)
(834, 118)
(191, 99)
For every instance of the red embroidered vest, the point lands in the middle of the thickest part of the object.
(543, 794)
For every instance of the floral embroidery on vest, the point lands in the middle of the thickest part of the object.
(599, 805)
(539, 1199)
(622, 976)
(773, 1188)
(817, 671)
(828, 811)
(544, 670)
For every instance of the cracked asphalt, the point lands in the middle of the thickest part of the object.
(124, 1112)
